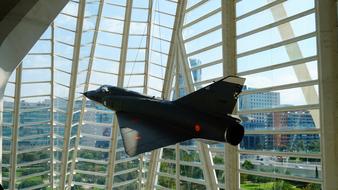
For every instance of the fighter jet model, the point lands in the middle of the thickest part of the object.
(147, 123)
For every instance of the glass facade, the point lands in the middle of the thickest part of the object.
(277, 54)
(54, 138)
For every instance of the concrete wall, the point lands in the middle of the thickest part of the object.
(22, 22)
(328, 77)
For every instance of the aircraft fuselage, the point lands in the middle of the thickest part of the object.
(184, 120)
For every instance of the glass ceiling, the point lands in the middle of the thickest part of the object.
(54, 138)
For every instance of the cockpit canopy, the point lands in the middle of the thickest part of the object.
(112, 90)
(105, 88)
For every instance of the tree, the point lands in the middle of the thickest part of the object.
(248, 165)
(218, 160)
(30, 182)
(312, 186)
(87, 155)
(166, 182)
(101, 181)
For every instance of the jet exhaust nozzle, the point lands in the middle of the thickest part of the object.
(234, 135)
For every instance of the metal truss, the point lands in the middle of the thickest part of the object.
(155, 155)
(178, 64)
(15, 128)
(71, 96)
(84, 99)
(52, 108)
(231, 159)
(282, 23)
(120, 83)
(147, 53)
(294, 51)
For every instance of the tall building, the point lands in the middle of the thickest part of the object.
(258, 121)
(293, 120)
(196, 74)
(290, 120)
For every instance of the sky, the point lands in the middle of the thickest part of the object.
(108, 56)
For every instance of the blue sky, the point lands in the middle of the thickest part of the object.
(300, 26)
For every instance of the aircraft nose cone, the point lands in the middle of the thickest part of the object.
(90, 94)
(93, 95)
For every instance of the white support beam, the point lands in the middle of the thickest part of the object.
(52, 106)
(205, 155)
(282, 131)
(120, 83)
(175, 75)
(177, 167)
(209, 14)
(274, 24)
(177, 146)
(112, 155)
(282, 176)
(287, 41)
(46, 160)
(271, 3)
(140, 172)
(125, 38)
(86, 87)
(90, 185)
(207, 163)
(280, 109)
(282, 154)
(195, 5)
(231, 163)
(15, 128)
(146, 76)
(306, 84)
(278, 66)
(293, 50)
(198, 35)
(124, 183)
(155, 155)
(71, 95)
(153, 167)
(328, 88)
(172, 54)
(148, 40)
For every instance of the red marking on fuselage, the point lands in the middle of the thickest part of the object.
(197, 128)
(137, 137)
(135, 120)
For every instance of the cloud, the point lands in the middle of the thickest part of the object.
(111, 25)
(138, 28)
(71, 8)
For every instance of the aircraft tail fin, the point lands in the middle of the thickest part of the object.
(144, 135)
(219, 98)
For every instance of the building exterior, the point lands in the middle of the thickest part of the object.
(289, 120)
(258, 120)
(196, 74)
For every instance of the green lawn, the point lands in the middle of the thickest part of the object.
(260, 186)
(256, 186)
